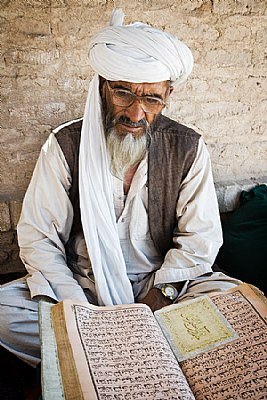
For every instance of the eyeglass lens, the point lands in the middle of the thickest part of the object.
(125, 98)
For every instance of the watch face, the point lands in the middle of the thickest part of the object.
(169, 291)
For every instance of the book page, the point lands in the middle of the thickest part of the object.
(194, 327)
(237, 370)
(125, 353)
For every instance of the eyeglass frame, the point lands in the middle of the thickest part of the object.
(135, 97)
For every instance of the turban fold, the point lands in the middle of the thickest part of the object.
(139, 53)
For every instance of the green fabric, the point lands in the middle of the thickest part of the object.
(243, 254)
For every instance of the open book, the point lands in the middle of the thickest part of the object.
(212, 347)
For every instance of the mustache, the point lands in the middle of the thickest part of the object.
(111, 122)
(125, 120)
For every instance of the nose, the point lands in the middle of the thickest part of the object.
(135, 111)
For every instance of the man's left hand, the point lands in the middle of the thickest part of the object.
(155, 299)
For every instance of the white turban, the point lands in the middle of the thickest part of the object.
(134, 53)
(139, 53)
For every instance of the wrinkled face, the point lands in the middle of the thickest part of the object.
(133, 114)
(129, 110)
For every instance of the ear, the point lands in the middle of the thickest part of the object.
(101, 84)
(171, 89)
(102, 91)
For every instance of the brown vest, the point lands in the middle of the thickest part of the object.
(172, 151)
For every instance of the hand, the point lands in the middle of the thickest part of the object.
(155, 299)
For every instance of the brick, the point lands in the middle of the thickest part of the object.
(36, 3)
(15, 210)
(7, 239)
(228, 57)
(9, 253)
(3, 257)
(228, 192)
(31, 56)
(232, 157)
(66, 84)
(232, 34)
(33, 26)
(87, 3)
(59, 3)
(243, 7)
(5, 222)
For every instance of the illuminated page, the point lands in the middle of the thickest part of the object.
(237, 370)
(123, 350)
(194, 326)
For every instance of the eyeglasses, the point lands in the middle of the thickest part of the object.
(125, 98)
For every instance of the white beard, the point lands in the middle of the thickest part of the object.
(124, 152)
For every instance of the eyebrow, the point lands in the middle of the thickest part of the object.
(120, 86)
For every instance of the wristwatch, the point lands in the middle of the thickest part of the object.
(169, 291)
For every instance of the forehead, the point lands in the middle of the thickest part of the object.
(144, 87)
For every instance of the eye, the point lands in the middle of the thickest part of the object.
(122, 93)
(152, 100)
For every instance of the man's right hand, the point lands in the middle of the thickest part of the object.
(155, 299)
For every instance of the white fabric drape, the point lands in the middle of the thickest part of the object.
(97, 209)
(134, 53)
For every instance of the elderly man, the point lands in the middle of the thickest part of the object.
(121, 207)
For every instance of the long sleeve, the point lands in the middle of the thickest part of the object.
(45, 225)
(198, 236)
